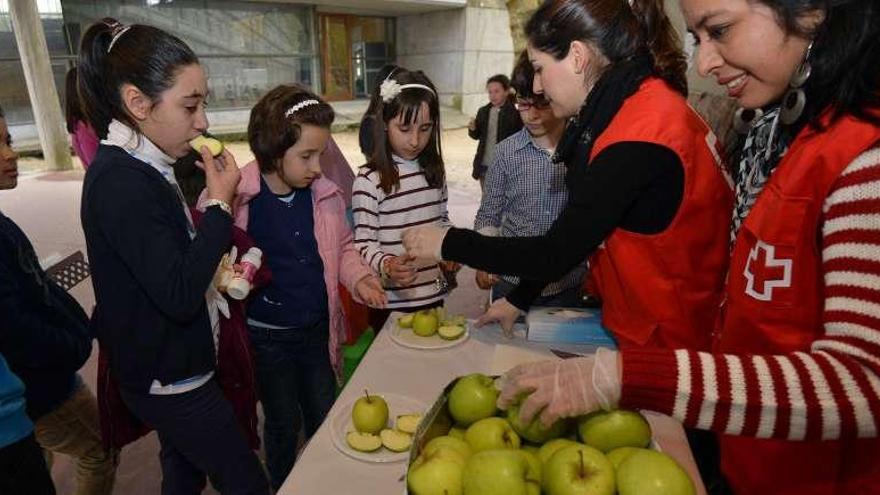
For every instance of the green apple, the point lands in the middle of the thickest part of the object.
(437, 473)
(395, 441)
(214, 145)
(530, 448)
(472, 398)
(447, 442)
(408, 423)
(370, 414)
(535, 470)
(578, 469)
(363, 442)
(620, 454)
(649, 472)
(491, 433)
(534, 432)
(425, 323)
(500, 472)
(450, 332)
(405, 321)
(608, 430)
(457, 432)
(548, 449)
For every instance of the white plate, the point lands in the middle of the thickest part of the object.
(406, 338)
(341, 424)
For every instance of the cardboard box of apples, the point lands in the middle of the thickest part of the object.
(464, 445)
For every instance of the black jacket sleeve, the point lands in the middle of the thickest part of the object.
(131, 213)
(632, 185)
(33, 335)
(480, 123)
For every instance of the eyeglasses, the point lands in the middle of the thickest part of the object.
(539, 104)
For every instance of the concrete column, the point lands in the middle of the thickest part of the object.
(41, 85)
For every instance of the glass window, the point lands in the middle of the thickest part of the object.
(246, 47)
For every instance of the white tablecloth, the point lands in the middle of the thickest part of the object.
(421, 375)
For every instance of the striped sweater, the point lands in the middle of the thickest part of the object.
(831, 392)
(380, 220)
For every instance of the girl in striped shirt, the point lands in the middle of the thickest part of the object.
(403, 185)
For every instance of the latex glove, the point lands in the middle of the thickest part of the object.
(485, 280)
(399, 269)
(501, 312)
(425, 243)
(369, 290)
(564, 388)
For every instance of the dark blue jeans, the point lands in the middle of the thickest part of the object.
(296, 386)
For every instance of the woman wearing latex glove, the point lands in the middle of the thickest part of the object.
(563, 388)
(793, 382)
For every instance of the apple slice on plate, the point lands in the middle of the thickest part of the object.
(342, 426)
(408, 423)
(363, 442)
(395, 441)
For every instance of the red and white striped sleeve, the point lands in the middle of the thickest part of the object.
(831, 392)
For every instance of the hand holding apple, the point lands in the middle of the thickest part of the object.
(563, 388)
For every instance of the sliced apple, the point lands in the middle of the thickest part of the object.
(405, 321)
(214, 145)
(450, 332)
(396, 441)
(408, 423)
(363, 442)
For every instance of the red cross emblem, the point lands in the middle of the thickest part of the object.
(764, 272)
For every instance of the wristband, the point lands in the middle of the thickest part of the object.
(219, 202)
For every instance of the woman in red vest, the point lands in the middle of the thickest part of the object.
(793, 383)
(646, 184)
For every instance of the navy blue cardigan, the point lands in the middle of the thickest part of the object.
(150, 278)
(44, 334)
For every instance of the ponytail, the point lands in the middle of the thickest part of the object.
(112, 54)
(619, 30)
(663, 41)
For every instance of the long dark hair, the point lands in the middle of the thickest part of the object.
(407, 105)
(619, 30)
(143, 56)
(845, 58)
(271, 132)
(72, 110)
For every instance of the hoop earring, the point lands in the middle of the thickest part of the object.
(745, 118)
(795, 100)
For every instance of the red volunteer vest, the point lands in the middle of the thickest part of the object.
(664, 290)
(774, 306)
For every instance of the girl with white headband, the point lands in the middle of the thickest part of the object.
(297, 218)
(402, 185)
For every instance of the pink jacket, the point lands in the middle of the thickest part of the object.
(85, 143)
(342, 263)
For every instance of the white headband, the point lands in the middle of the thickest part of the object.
(299, 106)
(117, 36)
(391, 88)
